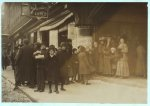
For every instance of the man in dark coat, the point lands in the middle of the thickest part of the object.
(17, 74)
(40, 57)
(62, 61)
(25, 61)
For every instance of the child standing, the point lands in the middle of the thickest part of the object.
(52, 69)
(75, 65)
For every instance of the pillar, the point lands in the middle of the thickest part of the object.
(39, 37)
(32, 38)
(53, 38)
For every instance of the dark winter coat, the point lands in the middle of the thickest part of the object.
(63, 63)
(52, 72)
(41, 70)
(24, 60)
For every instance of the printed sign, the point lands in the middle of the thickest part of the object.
(39, 10)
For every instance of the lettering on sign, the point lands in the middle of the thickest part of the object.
(39, 10)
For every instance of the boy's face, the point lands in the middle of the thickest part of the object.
(51, 52)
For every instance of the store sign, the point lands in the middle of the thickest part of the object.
(39, 10)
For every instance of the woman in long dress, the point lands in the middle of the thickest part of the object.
(107, 58)
(101, 56)
(122, 65)
(141, 61)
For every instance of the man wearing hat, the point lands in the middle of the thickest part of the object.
(62, 61)
(24, 60)
(40, 57)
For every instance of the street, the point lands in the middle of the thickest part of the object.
(101, 90)
(12, 96)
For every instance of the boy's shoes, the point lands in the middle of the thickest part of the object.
(57, 92)
(63, 89)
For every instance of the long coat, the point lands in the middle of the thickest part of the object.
(101, 59)
(40, 74)
(84, 66)
(63, 63)
(52, 72)
(95, 57)
(141, 61)
(17, 72)
(107, 63)
(24, 60)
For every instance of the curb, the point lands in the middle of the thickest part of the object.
(31, 98)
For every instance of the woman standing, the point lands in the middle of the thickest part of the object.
(122, 65)
(107, 58)
(84, 65)
(141, 61)
(95, 56)
(101, 56)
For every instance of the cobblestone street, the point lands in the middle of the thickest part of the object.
(8, 95)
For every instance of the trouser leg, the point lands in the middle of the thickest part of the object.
(56, 85)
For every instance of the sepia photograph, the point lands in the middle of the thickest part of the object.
(74, 52)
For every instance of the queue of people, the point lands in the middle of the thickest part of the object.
(35, 64)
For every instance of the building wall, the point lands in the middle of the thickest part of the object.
(129, 21)
(14, 17)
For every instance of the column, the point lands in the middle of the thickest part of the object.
(53, 38)
(32, 38)
(39, 37)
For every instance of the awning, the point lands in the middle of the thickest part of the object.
(49, 27)
(53, 22)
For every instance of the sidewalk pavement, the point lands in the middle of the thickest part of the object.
(75, 90)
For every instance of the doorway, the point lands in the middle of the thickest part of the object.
(45, 38)
(62, 37)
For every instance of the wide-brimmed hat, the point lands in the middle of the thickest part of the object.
(51, 47)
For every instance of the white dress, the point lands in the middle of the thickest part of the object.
(122, 64)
